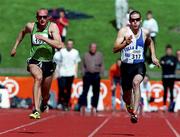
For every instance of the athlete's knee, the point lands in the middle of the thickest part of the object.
(136, 83)
(38, 78)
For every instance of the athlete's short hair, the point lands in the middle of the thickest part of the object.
(40, 10)
(134, 12)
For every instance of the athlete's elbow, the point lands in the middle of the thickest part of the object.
(59, 45)
(115, 50)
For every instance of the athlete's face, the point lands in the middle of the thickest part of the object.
(42, 17)
(135, 21)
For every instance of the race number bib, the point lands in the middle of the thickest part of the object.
(136, 54)
(36, 41)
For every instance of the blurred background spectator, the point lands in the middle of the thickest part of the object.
(92, 67)
(127, 15)
(121, 10)
(59, 17)
(115, 80)
(62, 23)
(178, 65)
(67, 59)
(177, 104)
(152, 26)
(168, 63)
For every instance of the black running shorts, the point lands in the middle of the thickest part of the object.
(128, 72)
(47, 68)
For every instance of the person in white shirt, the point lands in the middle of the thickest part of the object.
(67, 60)
(152, 26)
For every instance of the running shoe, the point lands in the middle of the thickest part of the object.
(35, 115)
(130, 109)
(43, 107)
(134, 118)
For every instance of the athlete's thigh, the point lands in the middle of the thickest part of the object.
(127, 77)
(35, 71)
(48, 68)
(139, 72)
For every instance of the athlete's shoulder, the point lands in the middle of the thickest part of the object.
(146, 34)
(123, 32)
(29, 26)
(124, 29)
(145, 31)
(53, 25)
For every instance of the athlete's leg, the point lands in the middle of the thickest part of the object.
(46, 85)
(127, 97)
(36, 72)
(136, 91)
(127, 91)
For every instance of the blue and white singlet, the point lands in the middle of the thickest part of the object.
(134, 52)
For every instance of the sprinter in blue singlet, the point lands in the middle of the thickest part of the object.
(131, 43)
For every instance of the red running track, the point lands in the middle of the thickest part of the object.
(16, 123)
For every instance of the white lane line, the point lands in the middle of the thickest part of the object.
(171, 127)
(99, 127)
(28, 124)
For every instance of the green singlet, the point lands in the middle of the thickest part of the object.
(40, 50)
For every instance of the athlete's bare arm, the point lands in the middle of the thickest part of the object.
(122, 40)
(54, 32)
(22, 33)
(150, 43)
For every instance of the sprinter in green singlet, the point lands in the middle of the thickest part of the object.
(44, 39)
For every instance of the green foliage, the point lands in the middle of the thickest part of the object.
(16, 13)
